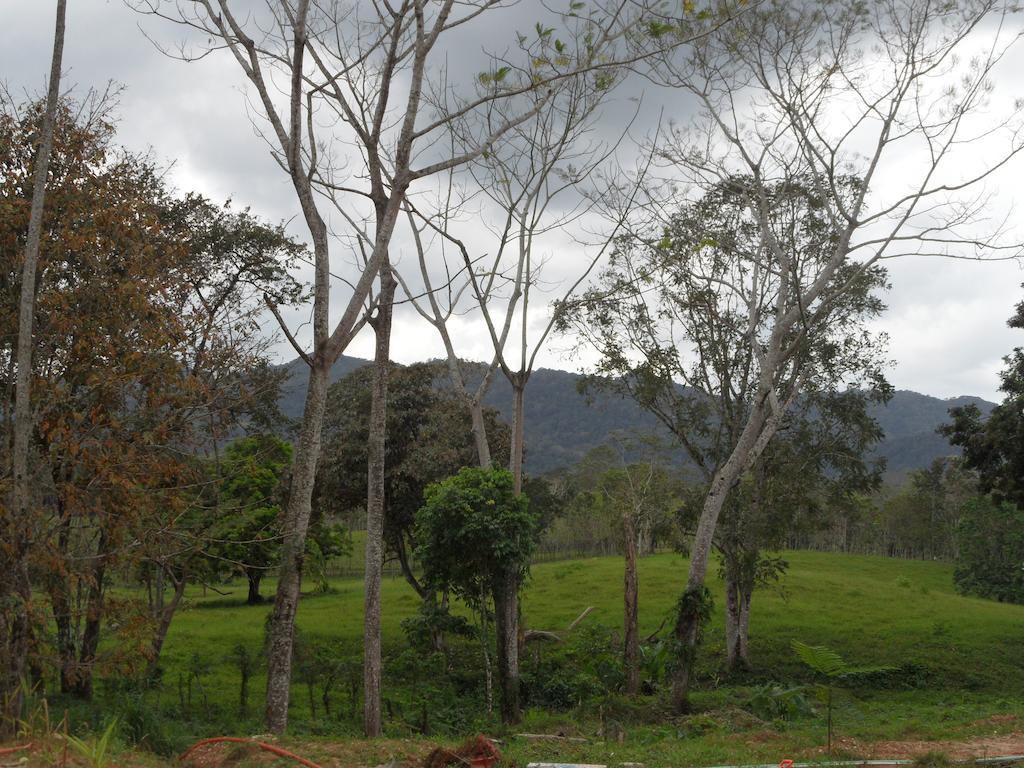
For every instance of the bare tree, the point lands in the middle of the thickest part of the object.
(813, 105)
(637, 491)
(375, 504)
(355, 128)
(15, 588)
(532, 185)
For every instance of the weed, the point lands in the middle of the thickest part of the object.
(95, 751)
(779, 702)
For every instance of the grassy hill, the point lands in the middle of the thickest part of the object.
(961, 659)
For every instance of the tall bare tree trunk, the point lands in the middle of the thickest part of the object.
(377, 440)
(506, 630)
(631, 632)
(164, 616)
(296, 523)
(483, 448)
(758, 430)
(517, 451)
(506, 594)
(83, 687)
(15, 586)
(58, 589)
(737, 616)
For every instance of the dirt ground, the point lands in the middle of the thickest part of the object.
(982, 747)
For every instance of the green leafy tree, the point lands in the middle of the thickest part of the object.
(922, 519)
(704, 323)
(990, 561)
(247, 535)
(430, 438)
(816, 464)
(991, 543)
(993, 446)
(472, 531)
(471, 528)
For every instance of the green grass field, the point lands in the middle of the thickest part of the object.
(962, 658)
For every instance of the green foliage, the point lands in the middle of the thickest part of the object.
(582, 673)
(991, 551)
(694, 608)
(990, 533)
(654, 662)
(471, 531)
(834, 668)
(772, 701)
(434, 699)
(433, 619)
(320, 665)
(429, 438)
(936, 641)
(993, 446)
(827, 662)
(146, 727)
(95, 751)
(822, 660)
(245, 535)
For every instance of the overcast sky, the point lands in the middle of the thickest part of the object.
(946, 320)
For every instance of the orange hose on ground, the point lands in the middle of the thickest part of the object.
(9, 750)
(236, 740)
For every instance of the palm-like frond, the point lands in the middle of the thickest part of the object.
(829, 663)
(821, 659)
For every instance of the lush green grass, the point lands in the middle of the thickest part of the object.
(962, 659)
(872, 610)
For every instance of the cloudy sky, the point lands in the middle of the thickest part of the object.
(946, 320)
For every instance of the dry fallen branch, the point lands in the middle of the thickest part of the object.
(539, 634)
(580, 618)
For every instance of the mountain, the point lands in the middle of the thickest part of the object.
(562, 425)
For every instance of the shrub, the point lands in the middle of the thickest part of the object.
(773, 701)
(991, 546)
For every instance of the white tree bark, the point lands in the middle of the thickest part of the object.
(15, 588)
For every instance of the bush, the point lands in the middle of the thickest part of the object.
(991, 544)
(773, 701)
(147, 728)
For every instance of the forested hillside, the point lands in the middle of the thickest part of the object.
(562, 424)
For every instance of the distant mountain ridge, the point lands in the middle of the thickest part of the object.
(562, 425)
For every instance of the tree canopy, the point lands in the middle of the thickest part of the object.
(429, 438)
(471, 530)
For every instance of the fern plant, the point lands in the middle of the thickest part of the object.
(95, 751)
(833, 668)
